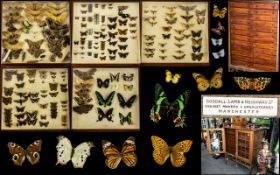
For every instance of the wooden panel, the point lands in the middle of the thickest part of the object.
(268, 5)
(240, 60)
(264, 67)
(239, 4)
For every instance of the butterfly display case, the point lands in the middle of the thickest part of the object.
(106, 33)
(105, 98)
(254, 35)
(35, 32)
(175, 32)
(35, 99)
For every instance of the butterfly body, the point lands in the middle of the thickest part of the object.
(31, 153)
(114, 157)
(176, 153)
(257, 84)
(172, 78)
(78, 155)
(215, 82)
(127, 103)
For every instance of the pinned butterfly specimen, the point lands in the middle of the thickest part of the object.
(169, 77)
(174, 110)
(196, 49)
(57, 11)
(108, 115)
(127, 118)
(196, 33)
(133, 18)
(162, 57)
(219, 13)
(197, 56)
(197, 41)
(166, 28)
(7, 100)
(66, 153)
(257, 84)
(112, 26)
(123, 39)
(114, 157)
(127, 87)
(26, 26)
(122, 22)
(112, 19)
(149, 37)
(85, 75)
(179, 39)
(127, 103)
(176, 153)
(217, 42)
(149, 43)
(44, 124)
(20, 108)
(34, 47)
(32, 152)
(187, 18)
(187, 9)
(166, 36)
(200, 20)
(110, 51)
(102, 101)
(162, 44)
(187, 25)
(115, 77)
(171, 21)
(123, 54)
(128, 77)
(8, 91)
(34, 11)
(101, 83)
(179, 57)
(219, 29)
(122, 47)
(215, 82)
(20, 85)
(170, 15)
(219, 54)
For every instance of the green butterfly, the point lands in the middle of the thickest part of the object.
(164, 107)
(26, 26)
(102, 101)
(124, 119)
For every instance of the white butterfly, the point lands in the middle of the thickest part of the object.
(78, 156)
(219, 54)
(217, 42)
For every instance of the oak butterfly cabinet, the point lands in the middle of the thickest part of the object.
(254, 35)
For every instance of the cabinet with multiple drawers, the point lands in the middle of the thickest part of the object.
(254, 35)
(243, 144)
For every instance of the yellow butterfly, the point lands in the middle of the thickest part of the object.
(162, 151)
(16, 46)
(170, 77)
(34, 11)
(57, 12)
(219, 13)
(114, 157)
(215, 82)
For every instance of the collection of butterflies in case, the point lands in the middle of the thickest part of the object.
(83, 84)
(219, 32)
(113, 157)
(35, 32)
(35, 98)
(106, 31)
(175, 110)
(179, 23)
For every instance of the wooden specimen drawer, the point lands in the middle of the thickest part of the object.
(254, 34)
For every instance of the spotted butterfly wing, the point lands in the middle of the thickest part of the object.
(78, 155)
(162, 151)
(31, 153)
(257, 84)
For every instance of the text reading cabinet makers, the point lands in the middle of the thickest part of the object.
(254, 35)
(243, 144)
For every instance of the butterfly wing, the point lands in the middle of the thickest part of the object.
(110, 98)
(161, 151)
(64, 150)
(168, 76)
(100, 99)
(261, 83)
(128, 152)
(202, 83)
(18, 153)
(81, 153)
(177, 155)
(216, 80)
(110, 151)
(244, 83)
(32, 152)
